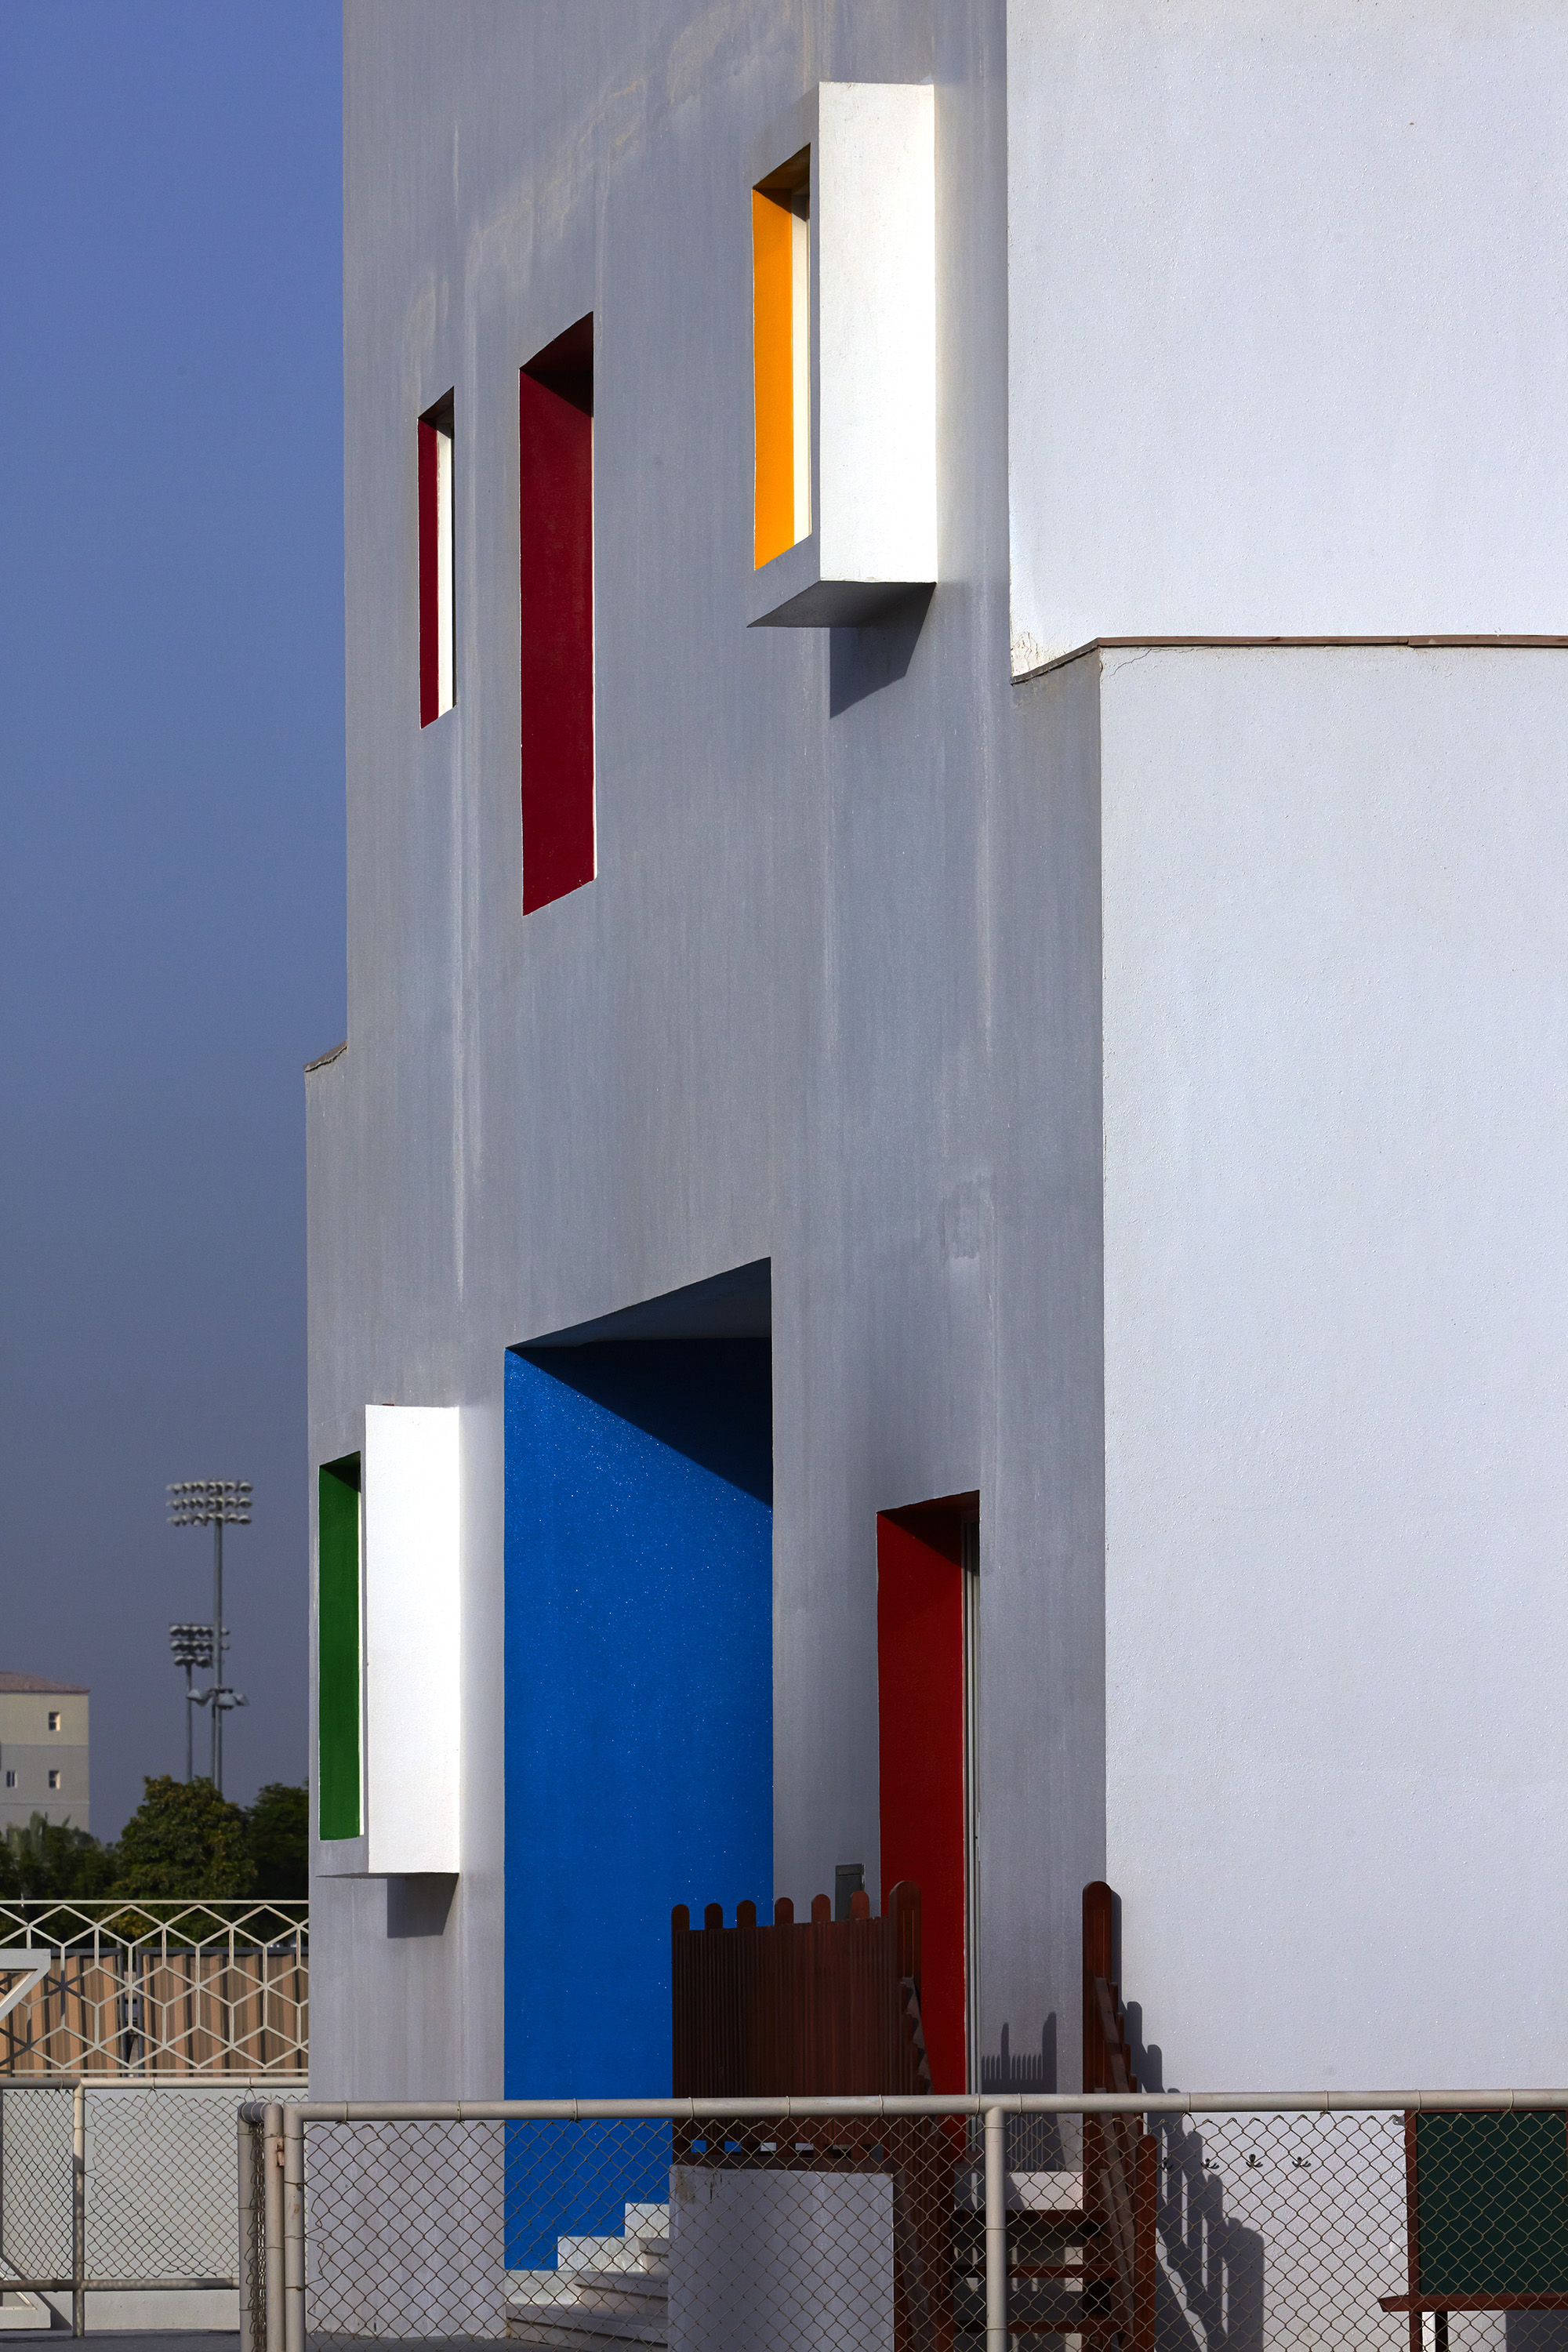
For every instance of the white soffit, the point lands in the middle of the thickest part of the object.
(873, 356)
(412, 1638)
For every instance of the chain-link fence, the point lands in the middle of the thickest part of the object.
(118, 2189)
(1151, 2223)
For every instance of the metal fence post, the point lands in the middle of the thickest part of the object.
(272, 2223)
(995, 2231)
(249, 2285)
(293, 2231)
(79, 2208)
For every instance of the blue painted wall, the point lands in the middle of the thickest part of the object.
(639, 1689)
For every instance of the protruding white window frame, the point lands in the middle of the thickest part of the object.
(870, 354)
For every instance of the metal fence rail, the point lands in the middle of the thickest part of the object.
(1138, 2223)
(163, 1987)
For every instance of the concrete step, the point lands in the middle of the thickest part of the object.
(627, 2254)
(539, 2286)
(570, 2330)
(646, 2285)
(640, 2291)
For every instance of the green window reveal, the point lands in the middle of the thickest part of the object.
(337, 1647)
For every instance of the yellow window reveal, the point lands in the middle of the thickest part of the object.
(779, 295)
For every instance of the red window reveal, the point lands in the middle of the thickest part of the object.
(436, 647)
(925, 1651)
(555, 415)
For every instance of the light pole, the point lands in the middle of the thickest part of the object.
(192, 1646)
(215, 1503)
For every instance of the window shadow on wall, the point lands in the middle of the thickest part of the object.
(710, 1399)
(862, 661)
(419, 1906)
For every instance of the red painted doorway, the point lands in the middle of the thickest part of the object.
(926, 1558)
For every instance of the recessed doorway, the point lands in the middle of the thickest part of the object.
(928, 1558)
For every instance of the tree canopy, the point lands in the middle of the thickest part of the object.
(51, 1858)
(280, 1830)
(183, 1841)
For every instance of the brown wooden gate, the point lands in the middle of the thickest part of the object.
(831, 2007)
(823, 2008)
(1120, 2160)
(817, 2007)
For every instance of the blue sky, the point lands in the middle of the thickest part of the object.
(172, 852)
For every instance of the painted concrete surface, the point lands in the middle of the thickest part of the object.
(1288, 319)
(413, 1640)
(871, 358)
(638, 1691)
(1336, 1149)
(835, 1003)
(768, 1030)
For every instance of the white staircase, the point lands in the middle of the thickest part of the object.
(603, 2293)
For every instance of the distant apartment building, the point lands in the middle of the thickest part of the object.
(43, 1750)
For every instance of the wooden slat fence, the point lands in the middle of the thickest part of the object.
(827, 2007)
(830, 2007)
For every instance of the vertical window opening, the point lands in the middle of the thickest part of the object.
(781, 353)
(337, 1647)
(555, 530)
(436, 560)
(969, 1545)
(927, 1675)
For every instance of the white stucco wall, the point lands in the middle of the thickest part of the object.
(835, 998)
(1287, 319)
(840, 956)
(1336, 1156)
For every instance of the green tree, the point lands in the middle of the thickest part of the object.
(184, 1840)
(51, 1858)
(279, 1826)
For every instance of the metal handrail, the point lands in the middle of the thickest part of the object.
(878, 2104)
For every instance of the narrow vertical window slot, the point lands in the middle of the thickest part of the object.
(970, 1553)
(555, 530)
(780, 357)
(338, 1683)
(435, 645)
(926, 1656)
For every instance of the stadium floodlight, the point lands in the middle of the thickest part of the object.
(192, 1646)
(215, 1503)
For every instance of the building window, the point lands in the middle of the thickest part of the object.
(54, 1780)
(436, 643)
(927, 1681)
(54, 1718)
(10, 1779)
(780, 357)
(556, 535)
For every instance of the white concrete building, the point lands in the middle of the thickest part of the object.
(958, 985)
(44, 1746)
